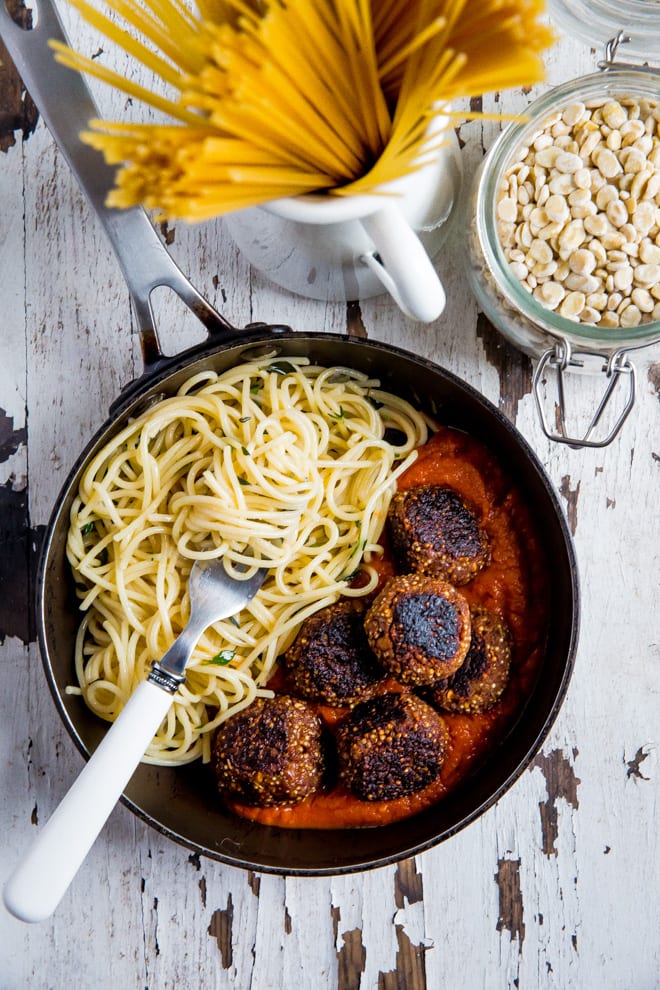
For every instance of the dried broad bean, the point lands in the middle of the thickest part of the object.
(579, 212)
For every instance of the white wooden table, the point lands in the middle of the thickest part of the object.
(557, 886)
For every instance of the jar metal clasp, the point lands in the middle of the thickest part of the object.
(617, 367)
(611, 49)
(618, 370)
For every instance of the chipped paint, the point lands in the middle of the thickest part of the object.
(254, 882)
(351, 960)
(221, 930)
(561, 782)
(408, 884)
(17, 111)
(654, 377)
(168, 233)
(571, 495)
(154, 912)
(633, 766)
(335, 914)
(410, 972)
(511, 912)
(354, 322)
(20, 547)
(10, 439)
(514, 367)
(351, 957)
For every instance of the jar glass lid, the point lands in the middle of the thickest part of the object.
(597, 21)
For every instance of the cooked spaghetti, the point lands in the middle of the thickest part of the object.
(277, 463)
(274, 99)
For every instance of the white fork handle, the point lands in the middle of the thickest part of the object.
(42, 877)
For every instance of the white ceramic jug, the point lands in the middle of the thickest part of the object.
(354, 247)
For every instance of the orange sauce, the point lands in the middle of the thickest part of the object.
(514, 585)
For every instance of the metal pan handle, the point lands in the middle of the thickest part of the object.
(66, 104)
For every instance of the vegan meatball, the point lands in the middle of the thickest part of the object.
(270, 752)
(419, 628)
(331, 660)
(390, 746)
(434, 531)
(482, 677)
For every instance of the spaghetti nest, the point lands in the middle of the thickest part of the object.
(276, 463)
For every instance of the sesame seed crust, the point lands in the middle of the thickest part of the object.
(270, 753)
(435, 531)
(481, 679)
(390, 746)
(330, 660)
(419, 628)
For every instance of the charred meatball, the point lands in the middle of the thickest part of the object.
(331, 660)
(269, 753)
(482, 677)
(434, 531)
(419, 628)
(390, 746)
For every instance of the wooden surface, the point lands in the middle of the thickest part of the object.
(557, 886)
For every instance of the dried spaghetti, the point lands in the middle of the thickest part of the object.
(293, 96)
(284, 464)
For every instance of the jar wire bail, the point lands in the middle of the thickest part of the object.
(561, 358)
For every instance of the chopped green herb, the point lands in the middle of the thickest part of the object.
(245, 419)
(339, 415)
(235, 621)
(350, 577)
(243, 481)
(245, 451)
(87, 528)
(223, 657)
(256, 388)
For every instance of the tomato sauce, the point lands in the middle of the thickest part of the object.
(514, 585)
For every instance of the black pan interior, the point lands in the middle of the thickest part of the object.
(182, 803)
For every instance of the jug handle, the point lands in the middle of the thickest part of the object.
(401, 263)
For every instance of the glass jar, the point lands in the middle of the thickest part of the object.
(557, 341)
(595, 21)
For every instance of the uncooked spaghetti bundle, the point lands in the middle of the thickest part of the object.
(272, 99)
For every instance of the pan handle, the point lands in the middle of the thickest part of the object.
(66, 104)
